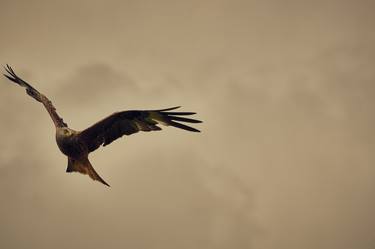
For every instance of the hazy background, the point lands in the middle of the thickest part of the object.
(286, 158)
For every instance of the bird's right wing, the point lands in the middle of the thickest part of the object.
(118, 124)
(57, 120)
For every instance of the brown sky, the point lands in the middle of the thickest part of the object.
(285, 160)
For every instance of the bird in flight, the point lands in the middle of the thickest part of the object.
(77, 145)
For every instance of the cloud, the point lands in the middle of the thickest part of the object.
(286, 94)
(94, 82)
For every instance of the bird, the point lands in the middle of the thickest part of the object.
(77, 145)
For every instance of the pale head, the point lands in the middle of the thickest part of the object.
(64, 132)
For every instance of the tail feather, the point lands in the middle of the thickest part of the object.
(84, 166)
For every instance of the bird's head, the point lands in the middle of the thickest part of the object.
(64, 132)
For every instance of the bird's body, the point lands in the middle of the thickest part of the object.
(69, 144)
(77, 145)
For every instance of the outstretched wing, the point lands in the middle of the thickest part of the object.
(57, 120)
(128, 122)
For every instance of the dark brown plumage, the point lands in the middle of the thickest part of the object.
(76, 145)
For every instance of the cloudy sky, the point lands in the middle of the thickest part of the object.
(285, 159)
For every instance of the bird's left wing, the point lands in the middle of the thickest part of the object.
(129, 122)
(57, 120)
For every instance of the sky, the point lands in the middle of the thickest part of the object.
(285, 157)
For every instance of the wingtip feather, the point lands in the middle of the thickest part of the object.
(188, 120)
(182, 126)
(10, 78)
(168, 109)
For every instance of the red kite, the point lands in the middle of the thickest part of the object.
(77, 145)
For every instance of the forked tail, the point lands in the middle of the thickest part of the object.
(84, 166)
